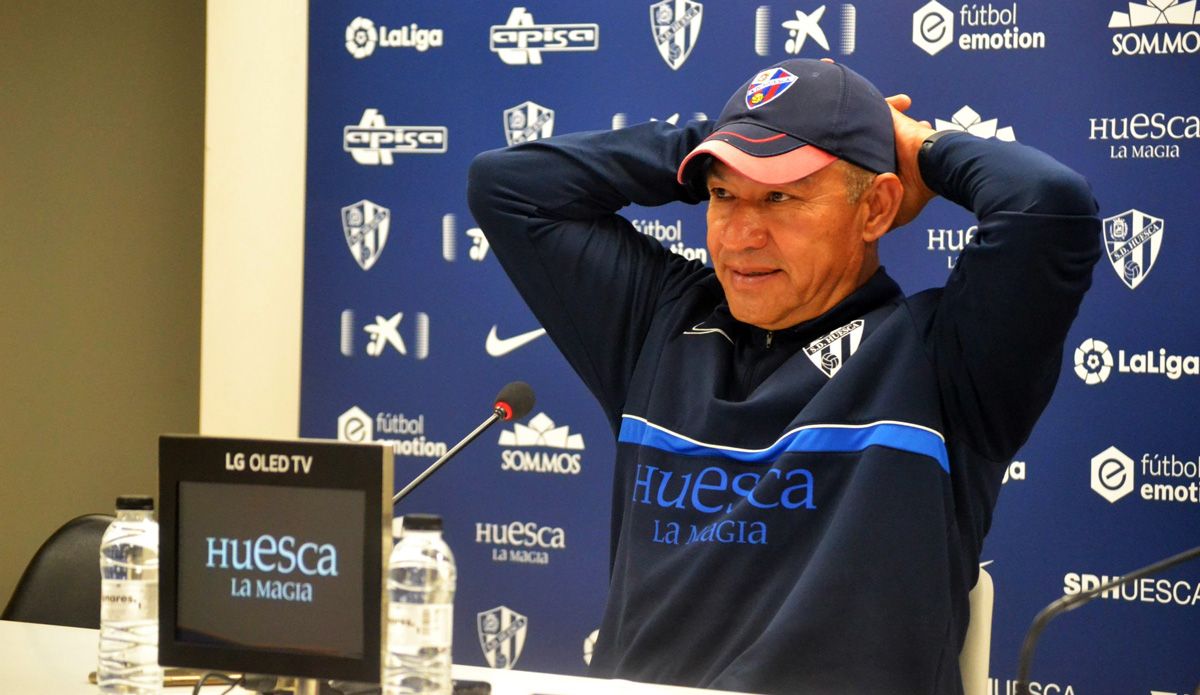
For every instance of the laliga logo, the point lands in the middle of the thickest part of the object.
(1093, 361)
(361, 37)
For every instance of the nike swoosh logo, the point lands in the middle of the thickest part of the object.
(499, 347)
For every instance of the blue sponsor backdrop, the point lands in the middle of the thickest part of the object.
(401, 294)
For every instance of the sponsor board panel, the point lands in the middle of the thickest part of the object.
(1122, 119)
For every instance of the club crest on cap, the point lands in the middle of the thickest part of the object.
(767, 86)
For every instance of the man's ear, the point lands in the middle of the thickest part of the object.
(882, 202)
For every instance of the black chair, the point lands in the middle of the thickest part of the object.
(61, 585)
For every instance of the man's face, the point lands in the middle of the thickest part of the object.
(786, 253)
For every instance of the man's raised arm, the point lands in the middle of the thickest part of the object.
(548, 209)
(997, 337)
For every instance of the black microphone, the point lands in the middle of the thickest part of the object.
(513, 402)
(1069, 603)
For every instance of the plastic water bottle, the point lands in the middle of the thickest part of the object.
(421, 581)
(129, 601)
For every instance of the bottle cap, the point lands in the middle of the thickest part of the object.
(422, 522)
(135, 502)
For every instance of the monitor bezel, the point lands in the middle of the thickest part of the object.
(336, 466)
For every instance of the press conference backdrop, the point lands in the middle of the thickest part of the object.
(410, 326)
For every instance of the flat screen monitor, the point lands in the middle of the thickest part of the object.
(272, 556)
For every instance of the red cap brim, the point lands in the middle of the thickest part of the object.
(774, 170)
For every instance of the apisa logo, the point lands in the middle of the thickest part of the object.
(501, 632)
(362, 38)
(406, 435)
(541, 447)
(373, 142)
(1156, 27)
(1132, 241)
(527, 122)
(983, 27)
(521, 42)
(1094, 363)
(800, 26)
(384, 335)
(675, 26)
(365, 225)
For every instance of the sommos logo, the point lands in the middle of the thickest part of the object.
(1164, 19)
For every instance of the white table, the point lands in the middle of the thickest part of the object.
(39, 659)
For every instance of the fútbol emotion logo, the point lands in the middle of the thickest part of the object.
(407, 433)
(1164, 477)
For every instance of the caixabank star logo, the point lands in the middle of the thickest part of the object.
(803, 31)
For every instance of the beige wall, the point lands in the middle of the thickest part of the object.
(253, 218)
(101, 163)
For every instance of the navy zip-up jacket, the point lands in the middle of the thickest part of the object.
(800, 510)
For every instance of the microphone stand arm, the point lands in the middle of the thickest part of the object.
(497, 415)
(1069, 603)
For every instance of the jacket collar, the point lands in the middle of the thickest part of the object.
(878, 290)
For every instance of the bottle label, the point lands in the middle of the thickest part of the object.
(122, 600)
(429, 625)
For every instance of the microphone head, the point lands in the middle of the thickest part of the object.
(514, 401)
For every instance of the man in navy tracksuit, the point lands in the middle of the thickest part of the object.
(807, 459)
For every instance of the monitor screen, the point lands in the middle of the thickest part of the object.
(285, 566)
(273, 555)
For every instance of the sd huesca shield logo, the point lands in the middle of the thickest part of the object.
(830, 352)
(528, 122)
(1133, 240)
(675, 25)
(501, 635)
(767, 86)
(365, 225)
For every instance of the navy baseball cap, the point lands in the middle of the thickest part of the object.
(795, 118)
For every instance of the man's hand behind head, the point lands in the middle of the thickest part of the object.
(909, 136)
